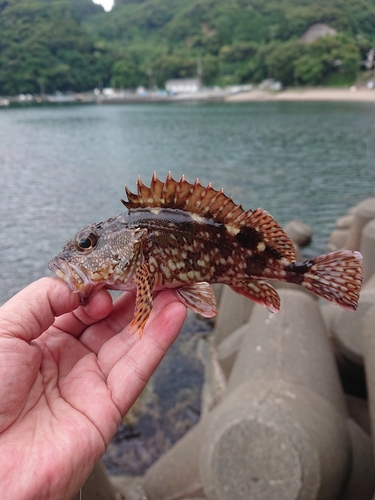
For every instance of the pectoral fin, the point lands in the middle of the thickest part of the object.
(143, 301)
(199, 297)
(260, 292)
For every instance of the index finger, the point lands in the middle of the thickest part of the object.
(33, 310)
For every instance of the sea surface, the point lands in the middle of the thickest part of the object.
(64, 167)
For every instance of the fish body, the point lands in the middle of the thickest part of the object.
(185, 237)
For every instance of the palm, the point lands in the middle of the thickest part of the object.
(72, 386)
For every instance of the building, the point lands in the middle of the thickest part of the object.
(183, 85)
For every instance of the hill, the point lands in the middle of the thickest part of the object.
(74, 44)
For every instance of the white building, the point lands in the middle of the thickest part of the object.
(183, 85)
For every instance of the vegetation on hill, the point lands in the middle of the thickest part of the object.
(48, 45)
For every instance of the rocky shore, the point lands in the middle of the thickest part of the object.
(288, 399)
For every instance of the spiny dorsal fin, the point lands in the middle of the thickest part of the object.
(207, 202)
(273, 235)
(182, 195)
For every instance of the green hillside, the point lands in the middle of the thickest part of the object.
(75, 45)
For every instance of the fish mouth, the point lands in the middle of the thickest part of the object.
(75, 278)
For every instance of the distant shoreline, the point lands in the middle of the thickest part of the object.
(301, 94)
(315, 95)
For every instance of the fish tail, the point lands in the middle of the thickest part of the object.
(335, 276)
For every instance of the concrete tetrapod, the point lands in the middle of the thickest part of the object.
(361, 483)
(363, 213)
(234, 311)
(280, 433)
(368, 249)
(369, 357)
(346, 327)
(299, 232)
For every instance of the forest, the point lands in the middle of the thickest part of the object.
(74, 45)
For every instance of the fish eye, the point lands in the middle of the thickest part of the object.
(87, 242)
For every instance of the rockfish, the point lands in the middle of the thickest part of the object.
(185, 236)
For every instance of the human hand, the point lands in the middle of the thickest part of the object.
(68, 376)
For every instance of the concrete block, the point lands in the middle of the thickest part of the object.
(218, 290)
(363, 213)
(281, 430)
(345, 222)
(328, 312)
(97, 485)
(274, 441)
(361, 481)
(291, 345)
(175, 475)
(368, 333)
(347, 326)
(359, 411)
(368, 249)
(370, 283)
(299, 232)
(338, 239)
(234, 311)
(227, 349)
(214, 378)
(299, 256)
(128, 487)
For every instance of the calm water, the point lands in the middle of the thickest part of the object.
(63, 167)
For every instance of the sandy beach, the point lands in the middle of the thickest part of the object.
(324, 94)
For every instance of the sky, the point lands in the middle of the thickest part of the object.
(107, 4)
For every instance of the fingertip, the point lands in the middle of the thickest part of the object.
(99, 305)
(31, 311)
(61, 298)
(169, 318)
(176, 314)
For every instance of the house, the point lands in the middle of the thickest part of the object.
(183, 85)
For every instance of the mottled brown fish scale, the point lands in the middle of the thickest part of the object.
(193, 251)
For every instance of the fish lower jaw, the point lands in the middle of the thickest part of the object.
(76, 280)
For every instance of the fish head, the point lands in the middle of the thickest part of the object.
(100, 255)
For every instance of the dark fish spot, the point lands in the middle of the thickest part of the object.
(272, 253)
(299, 267)
(255, 266)
(248, 237)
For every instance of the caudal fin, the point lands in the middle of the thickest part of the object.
(335, 276)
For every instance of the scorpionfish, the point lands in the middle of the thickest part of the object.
(185, 237)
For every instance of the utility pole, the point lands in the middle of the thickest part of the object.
(42, 87)
(200, 69)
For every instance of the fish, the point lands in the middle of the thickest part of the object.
(185, 237)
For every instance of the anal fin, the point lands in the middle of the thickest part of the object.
(143, 301)
(199, 297)
(259, 291)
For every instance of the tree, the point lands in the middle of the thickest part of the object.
(280, 59)
(175, 65)
(125, 74)
(330, 60)
(43, 42)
